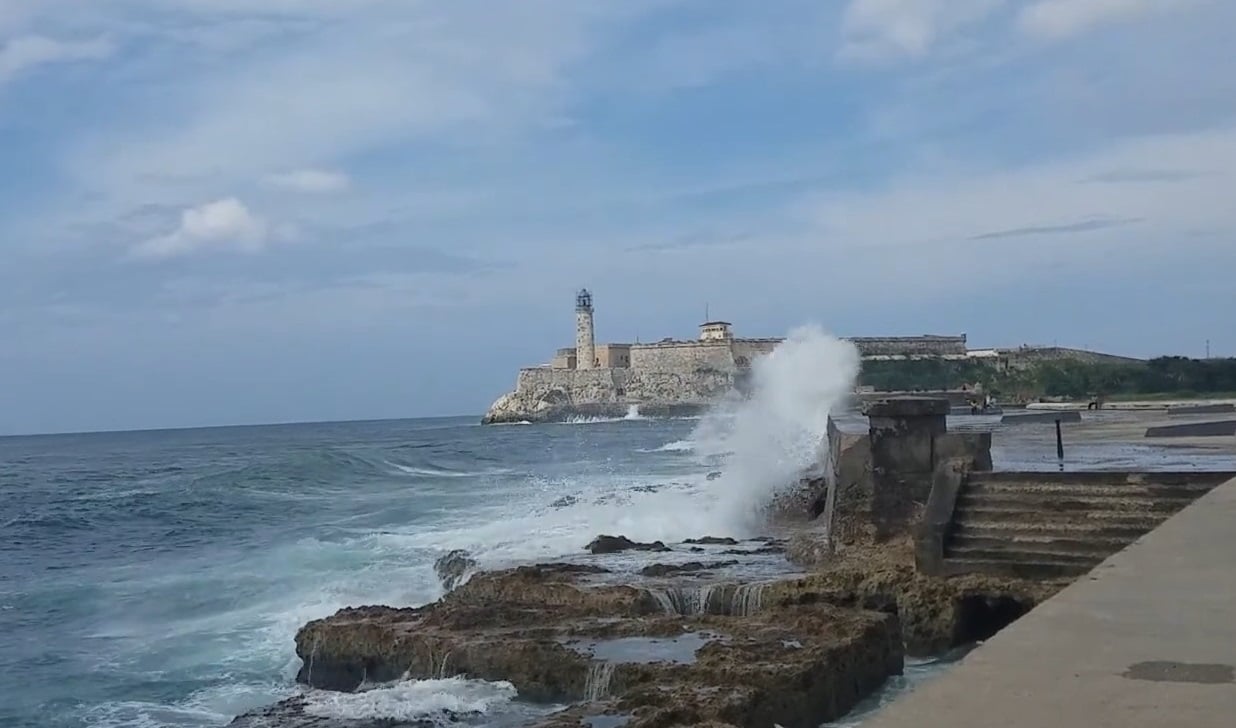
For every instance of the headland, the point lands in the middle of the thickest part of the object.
(676, 377)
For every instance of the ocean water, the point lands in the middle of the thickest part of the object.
(158, 578)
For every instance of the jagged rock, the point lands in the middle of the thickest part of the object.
(452, 568)
(797, 666)
(657, 570)
(935, 614)
(760, 550)
(713, 541)
(714, 475)
(616, 544)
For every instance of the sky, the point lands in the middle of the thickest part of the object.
(225, 211)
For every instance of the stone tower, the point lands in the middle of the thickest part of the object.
(585, 343)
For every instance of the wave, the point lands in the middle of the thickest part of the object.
(413, 700)
(632, 415)
(434, 471)
(675, 446)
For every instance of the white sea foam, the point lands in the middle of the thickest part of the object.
(765, 441)
(444, 473)
(759, 444)
(411, 700)
(675, 446)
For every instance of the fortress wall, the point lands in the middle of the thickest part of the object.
(569, 388)
(616, 356)
(683, 356)
(1034, 355)
(910, 345)
(746, 351)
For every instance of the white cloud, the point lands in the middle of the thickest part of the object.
(316, 181)
(29, 51)
(876, 30)
(1054, 19)
(222, 225)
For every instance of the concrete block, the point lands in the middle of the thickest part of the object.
(1042, 417)
(1225, 428)
(905, 407)
(1201, 409)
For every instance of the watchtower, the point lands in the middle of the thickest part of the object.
(585, 342)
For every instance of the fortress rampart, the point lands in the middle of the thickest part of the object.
(606, 378)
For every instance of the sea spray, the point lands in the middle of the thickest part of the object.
(749, 449)
(768, 439)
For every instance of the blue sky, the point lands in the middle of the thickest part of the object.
(381, 208)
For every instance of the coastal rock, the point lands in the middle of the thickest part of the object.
(713, 541)
(545, 394)
(798, 666)
(616, 544)
(658, 570)
(936, 614)
(453, 567)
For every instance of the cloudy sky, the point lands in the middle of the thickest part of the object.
(330, 209)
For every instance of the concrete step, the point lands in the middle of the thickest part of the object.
(1008, 530)
(1192, 478)
(982, 514)
(1039, 543)
(1188, 492)
(1070, 502)
(1036, 570)
(1025, 556)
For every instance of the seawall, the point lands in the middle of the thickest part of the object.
(1147, 639)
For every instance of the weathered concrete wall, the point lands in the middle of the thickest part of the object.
(683, 356)
(929, 345)
(614, 356)
(882, 479)
(564, 359)
(746, 351)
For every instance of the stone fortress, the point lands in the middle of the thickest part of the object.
(666, 378)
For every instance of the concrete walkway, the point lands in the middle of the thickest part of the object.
(1147, 639)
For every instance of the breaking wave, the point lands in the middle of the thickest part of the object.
(412, 700)
(765, 441)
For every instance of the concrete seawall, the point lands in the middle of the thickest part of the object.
(1146, 639)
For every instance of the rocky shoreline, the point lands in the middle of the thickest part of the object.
(600, 644)
(793, 629)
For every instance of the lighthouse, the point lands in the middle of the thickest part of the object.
(585, 342)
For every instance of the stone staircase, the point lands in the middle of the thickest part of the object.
(1058, 525)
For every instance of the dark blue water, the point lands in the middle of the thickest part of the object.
(158, 578)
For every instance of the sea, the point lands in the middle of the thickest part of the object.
(157, 579)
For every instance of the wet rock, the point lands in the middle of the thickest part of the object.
(935, 614)
(714, 475)
(616, 544)
(713, 541)
(759, 550)
(728, 669)
(565, 501)
(657, 570)
(453, 567)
